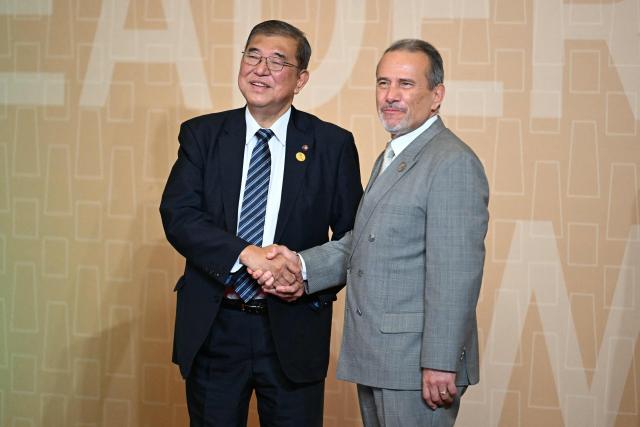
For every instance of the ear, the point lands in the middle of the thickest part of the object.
(438, 97)
(303, 78)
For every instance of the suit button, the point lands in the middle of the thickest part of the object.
(360, 273)
(358, 312)
(372, 237)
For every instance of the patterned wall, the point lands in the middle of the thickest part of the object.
(91, 95)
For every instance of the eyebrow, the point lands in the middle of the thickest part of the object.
(278, 54)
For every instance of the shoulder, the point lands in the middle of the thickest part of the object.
(210, 121)
(308, 122)
(450, 146)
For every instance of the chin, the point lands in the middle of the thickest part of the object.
(393, 128)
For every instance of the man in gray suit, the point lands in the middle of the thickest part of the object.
(413, 261)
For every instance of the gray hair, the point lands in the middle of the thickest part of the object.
(274, 27)
(435, 74)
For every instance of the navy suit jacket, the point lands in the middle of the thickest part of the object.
(199, 212)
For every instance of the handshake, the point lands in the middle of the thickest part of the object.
(277, 270)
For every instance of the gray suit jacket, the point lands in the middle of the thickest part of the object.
(413, 266)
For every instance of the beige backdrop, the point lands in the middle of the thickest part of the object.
(547, 92)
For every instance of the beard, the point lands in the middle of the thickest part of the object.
(395, 129)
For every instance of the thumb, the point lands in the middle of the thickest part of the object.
(272, 252)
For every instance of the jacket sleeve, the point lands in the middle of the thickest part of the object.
(327, 264)
(456, 226)
(190, 228)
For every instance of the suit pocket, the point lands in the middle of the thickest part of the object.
(397, 323)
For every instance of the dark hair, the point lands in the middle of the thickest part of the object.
(280, 28)
(435, 74)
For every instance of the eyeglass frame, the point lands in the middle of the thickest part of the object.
(267, 59)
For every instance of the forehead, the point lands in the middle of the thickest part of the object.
(403, 64)
(268, 44)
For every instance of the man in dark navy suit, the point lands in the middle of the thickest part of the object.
(246, 179)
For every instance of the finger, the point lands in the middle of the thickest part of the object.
(453, 390)
(426, 395)
(270, 291)
(288, 277)
(284, 289)
(446, 398)
(435, 395)
(288, 289)
(256, 274)
(272, 252)
(285, 281)
(264, 278)
(268, 284)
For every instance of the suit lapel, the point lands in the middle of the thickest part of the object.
(374, 172)
(383, 183)
(230, 159)
(294, 170)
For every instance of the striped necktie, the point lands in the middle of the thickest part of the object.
(254, 206)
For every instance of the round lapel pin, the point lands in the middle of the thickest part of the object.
(305, 148)
(300, 156)
(402, 166)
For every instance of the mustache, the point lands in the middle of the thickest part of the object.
(393, 105)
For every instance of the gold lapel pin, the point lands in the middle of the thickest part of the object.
(305, 148)
(401, 166)
(300, 156)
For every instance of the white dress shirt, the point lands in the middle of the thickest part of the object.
(400, 143)
(277, 147)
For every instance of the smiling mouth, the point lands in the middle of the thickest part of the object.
(259, 84)
(392, 111)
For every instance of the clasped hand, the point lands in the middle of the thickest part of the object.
(276, 268)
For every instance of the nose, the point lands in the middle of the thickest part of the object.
(261, 68)
(392, 94)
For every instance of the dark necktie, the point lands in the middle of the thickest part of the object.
(254, 206)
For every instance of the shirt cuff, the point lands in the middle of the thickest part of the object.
(237, 266)
(303, 267)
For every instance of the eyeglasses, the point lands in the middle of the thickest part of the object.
(273, 62)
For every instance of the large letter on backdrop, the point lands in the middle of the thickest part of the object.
(178, 44)
(555, 21)
(535, 270)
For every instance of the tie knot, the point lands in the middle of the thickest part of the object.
(388, 156)
(264, 135)
(389, 153)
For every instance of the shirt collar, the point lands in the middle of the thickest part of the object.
(279, 127)
(400, 143)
